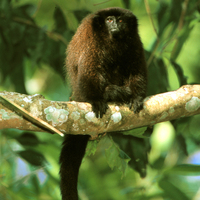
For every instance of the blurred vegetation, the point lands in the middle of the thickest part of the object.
(33, 37)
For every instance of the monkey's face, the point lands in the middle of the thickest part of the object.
(115, 24)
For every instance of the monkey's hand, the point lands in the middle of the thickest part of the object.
(137, 104)
(99, 108)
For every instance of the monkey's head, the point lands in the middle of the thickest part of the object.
(117, 23)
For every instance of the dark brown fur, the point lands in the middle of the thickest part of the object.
(103, 67)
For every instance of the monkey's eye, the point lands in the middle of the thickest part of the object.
(120, 20)
(110, 20)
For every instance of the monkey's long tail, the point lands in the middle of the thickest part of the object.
(71, 157)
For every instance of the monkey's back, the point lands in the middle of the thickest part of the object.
(81, 51)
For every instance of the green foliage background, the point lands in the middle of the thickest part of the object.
(33, 38)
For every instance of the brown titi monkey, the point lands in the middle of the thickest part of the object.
(105, 63)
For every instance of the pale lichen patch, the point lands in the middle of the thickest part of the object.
(90, 116)
(101, 124)
(35, 95)
(81, 121)
(28, 99)
(174, 96)
(116, 117)
(193, 104)
(75, 115)
(82, 106)
(3, 94)
(164, 115)
(57, 116)
(75, 127)
(40, 102)
(6, 115)
(34, 110)
(117, 108)
(62, 117)
(146, 99)
(72, 102)
(152, 122)
(171, 110)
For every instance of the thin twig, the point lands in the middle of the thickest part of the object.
(38, 7)
(180, 26)
(51, 34)
(154, 28)
(30, 117)
(96, 4)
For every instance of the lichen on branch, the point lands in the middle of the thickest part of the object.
(77, 117)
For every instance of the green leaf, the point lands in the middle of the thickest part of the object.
(172, 191)
(116, 157)
(16, 32)
(25, 11)
(54, 56)
(60, 22)
(157, 77)
(28, 139)
(80, 14)
(179, 72)
(185, 169)
(5, 9)
(183, 36)
(181, 126)
(181, 141)
(127, 3)
(158, 163)
(136, 148)
(162, 17)
(91, 148)
(175, 11)
(137, 132)
(33, 157)
(34, 181)
(38, 50)
(17, 74)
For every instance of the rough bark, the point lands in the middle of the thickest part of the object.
(78, 118)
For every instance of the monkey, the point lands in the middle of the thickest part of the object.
(105, 64)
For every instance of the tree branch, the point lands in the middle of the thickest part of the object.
(78, 118)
